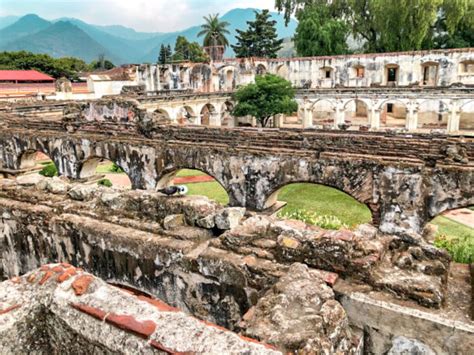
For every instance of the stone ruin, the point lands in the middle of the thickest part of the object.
(187, 275)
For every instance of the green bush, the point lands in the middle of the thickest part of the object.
(116, 169)
(49, 170)
(105, 182)
(461, 248)
(325, 222)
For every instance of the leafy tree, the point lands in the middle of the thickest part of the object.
(320, 34)
(165, 54)
(184, 50)
(269, 96)
(101, 64)
(260, 39)
(214, 31)
(337, 8)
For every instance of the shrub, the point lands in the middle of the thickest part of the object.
(461, 248)
(105, 182)
(49, 170)
(325, 222)
(116, 169)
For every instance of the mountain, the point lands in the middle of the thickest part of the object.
(62, 39)
(7, 21)
(74, 37)
(238, 20)
(26, 25)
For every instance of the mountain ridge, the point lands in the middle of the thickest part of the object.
(119, 43)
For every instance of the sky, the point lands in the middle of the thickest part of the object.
(141, 15)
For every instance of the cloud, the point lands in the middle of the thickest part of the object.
(142, 15)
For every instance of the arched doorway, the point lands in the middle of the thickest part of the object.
(105, 172)
(198, 183)
(261, 69)
(393, 114)
(186, 115)
(37, 162)
(466, 118)
(321, 205)
(356, 114)
(432, 114)
(282, 71)
(324, 113)
(453, 230)
(207, 112)
(227, 119)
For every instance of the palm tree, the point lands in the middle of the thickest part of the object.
(214, 31)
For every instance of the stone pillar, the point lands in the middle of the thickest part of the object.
(454, 117)
(374, 118)
(215, 119)
(340, 119)
(307, 117)
(197, 120)
(278, 120)
(411, 123)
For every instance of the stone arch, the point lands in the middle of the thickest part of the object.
(206, 112)
(90, 165)
(432, 114)
(226, 113)
(186, 115)
(163, 113)
(167, 178)
(357, 114)
(261, 69)
(324, 112)
(29, 158)
(272, 196)
(393, 113)
(466, 116)
(282, 71)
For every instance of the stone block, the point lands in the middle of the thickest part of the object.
(173, 221)
(229, 218)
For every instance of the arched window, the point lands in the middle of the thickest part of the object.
(394, 114)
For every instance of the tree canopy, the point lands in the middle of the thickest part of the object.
(184, 50)
(166, 55)
(388, 25)
(269, 96)
(320, 34)
(260, 39)
(68, 67)
(214, 31)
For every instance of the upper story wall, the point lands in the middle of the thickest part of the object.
(422, 68)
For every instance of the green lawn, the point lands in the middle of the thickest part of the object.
(213, 190)
(324, 200)
(189, 172)
(451, 228)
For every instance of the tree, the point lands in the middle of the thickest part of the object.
(101, 64)
(260, 39)
(184, 50)
(269, 96)
(214, 31)
(337, 8)
(165, 55)
(320, 34)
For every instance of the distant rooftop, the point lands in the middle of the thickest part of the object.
(24, 76)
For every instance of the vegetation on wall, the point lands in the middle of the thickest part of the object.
(260, 39)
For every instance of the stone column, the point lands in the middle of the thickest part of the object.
(374, 118)
(340, 119)
(278, 120)
(215, 119)
(454, 117)
(307, 117)
(197, 120)
(411, 122)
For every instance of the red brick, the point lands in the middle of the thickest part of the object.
(47, 275)
(66, 275)
(81, 284)
(44, 268)
(161, 347)
(329, 277)
(214, 325)
(141, 328)
(31, 278)
(15, 280)
(92, 311)
(57, 269)
(162, 306)
(9, 309)
(66, 265)
(251, 340)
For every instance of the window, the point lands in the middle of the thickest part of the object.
(392, 74)
(360, 72)
(389, 108)
(328, 73)
(467, 67)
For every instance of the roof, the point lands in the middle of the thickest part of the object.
(23, 75)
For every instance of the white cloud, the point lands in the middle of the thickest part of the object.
(142, 15)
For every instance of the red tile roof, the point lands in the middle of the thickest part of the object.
(23, 75)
